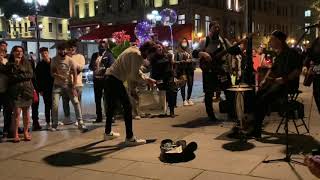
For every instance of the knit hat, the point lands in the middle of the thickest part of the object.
(280, 35)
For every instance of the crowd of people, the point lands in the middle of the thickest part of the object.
(23, 80)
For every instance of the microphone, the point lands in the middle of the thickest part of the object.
(311, 26)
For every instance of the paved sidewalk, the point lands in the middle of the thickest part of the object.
(70, 155)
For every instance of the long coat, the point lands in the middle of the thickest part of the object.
(20, 84)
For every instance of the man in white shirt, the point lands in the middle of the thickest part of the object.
(79, 60)
(125, 68)
(63, 70)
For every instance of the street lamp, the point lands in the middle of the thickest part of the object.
(37, 5)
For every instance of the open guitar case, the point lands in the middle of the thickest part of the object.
(175, 152)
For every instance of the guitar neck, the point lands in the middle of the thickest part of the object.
(225, 52)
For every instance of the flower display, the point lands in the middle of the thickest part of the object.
(122, 42)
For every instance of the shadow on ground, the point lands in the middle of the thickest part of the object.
(199, 122)
(298, 143)
(88, 154)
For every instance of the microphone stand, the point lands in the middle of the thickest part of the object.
(301, 38)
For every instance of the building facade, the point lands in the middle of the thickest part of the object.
(2, 24)
(52, 28)
(268, 15)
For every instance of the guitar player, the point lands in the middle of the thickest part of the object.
(281, 78)
(216, 69)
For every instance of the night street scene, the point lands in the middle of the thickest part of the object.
(159, 89)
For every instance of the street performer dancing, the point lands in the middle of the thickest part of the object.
(282, 78)
(125, 68)
(216, 65)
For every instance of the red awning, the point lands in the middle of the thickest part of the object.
(163, 32)
(75, 24)
(106, 31)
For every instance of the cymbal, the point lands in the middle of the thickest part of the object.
(240, 89)
(241, 86)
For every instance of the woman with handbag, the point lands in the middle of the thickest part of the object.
(21, 90)
(312, 70)
(185, 67)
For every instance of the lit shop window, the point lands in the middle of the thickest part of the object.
(208, 20)
(233, 5)
(173, 2)
(197, 22)
(307, 13)
(158, 3)
(182, 19)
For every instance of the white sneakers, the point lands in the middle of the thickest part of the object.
(137, 117)
(54, 129)
(188, 103)
(60, 123)
(110, 136)
(81, 126)
(48, 126)
(135, 142)
(129, 142)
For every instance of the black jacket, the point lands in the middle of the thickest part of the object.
(161, 70)
(43, 76)
(106, 62)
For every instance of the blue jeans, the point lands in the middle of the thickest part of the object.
(56, 93)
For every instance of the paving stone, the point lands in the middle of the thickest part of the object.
(94, 175)
(219, 176)
(6, 152)
(145, 153)
(35, 156)
(23, 169)
(283, 171)
(224, 161)
(69, 144)
(160, 171)
(107, 165)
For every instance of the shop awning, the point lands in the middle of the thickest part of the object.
(106, 31)
(74, 24)
(163, 32)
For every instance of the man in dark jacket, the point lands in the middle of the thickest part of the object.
(279, 81)
(4, 100)
(100, 61)
(215, 70)
(35, 105)
(45, 82)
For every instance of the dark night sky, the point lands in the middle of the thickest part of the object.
(58, 8)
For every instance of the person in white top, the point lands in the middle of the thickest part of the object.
(79, 60)
(126, 68)
(63, 70)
